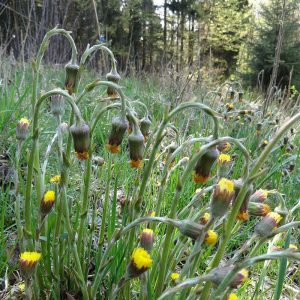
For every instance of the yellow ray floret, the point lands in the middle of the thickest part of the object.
(226, 185)
(55, 179)
(232, 296)
(30, 257)
(211, 238)
(148, 230)
(277, 217)
(49, 196)
(175, 276)
(24, 121)
(224, 158)
(141, 258)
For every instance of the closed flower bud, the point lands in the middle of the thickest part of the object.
(57, 105)
(211, 238)
(81, 138)
(266, 225)
(259, 196)
(258, 209)
(140, 262)
(224, 147)
(47, 202)
(221, 198)
(190, 229)
(205, 218)
(204, 165)
(243, 214)
(118, 129)
(71, 77)
(28, 262)
(145, 127)
(136, 143)
(114, 77)
(147, 239)
(241, 94)
(22, 129)
(218, 274)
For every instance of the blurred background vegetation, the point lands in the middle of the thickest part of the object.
(211, 40)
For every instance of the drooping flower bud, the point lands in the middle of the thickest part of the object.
(28, 262)
(204, 165)
(211, 238)
(221, 198)
(118, 129)
(243, 214)
(205, 218)
(258, 209)
(224, 164)
(47, 202)
(140, 262)
(81, 138)
(114, 77)
(57, 105)
(190, 229)
(145, 127)
(266, 225)
(71, 77)
(147, 239)
(224, 147)
(218, 274)
(259, 196)
(136, 143)
(22, 129)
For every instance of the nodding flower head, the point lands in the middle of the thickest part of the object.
(47, 202)
(71, 77)
(218, 274)
(136, 143)
(118, 129)
(140, 262)
(258, 209)
(114, 77)
(22, 129)
(190, 229)
(221, 198)
(81, 138)
(204, 165)
(57, 105)
(147, 239)
(259, 196)
(266, 225)
(145, 127)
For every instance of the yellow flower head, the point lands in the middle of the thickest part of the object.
(265, 193)
(28, 261)
(153, 214)
(148, 230)
(245, 274)
(211, 238)
(226, 185)
(232, 296)
(204, 219)
(175, 276)
(277, 217)
(227, 147)
(223, 158)
(265, 142)
(49, 197)
(24, 121)
(293, 247)
(141, 258)
(21, 287)
(55, 179)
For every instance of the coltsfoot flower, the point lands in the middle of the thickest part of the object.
(224, 147)
(266, 225)
(218, 274)
(118, 129)
(115, 77)
(258, 209)
(259, 196)
(145, 127)
(57, 105)
(224, 158)
(147, 239)
(205, 218)
(190, 229)
(28, 261)
(211, 238)
(232, 296)
(71, 77)
(136, 143)
(47, 202)
(140, 262)
(221, 198)
(55, 179)
(175, 276)
(204, 165)
(22, 129)
(81, 138)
